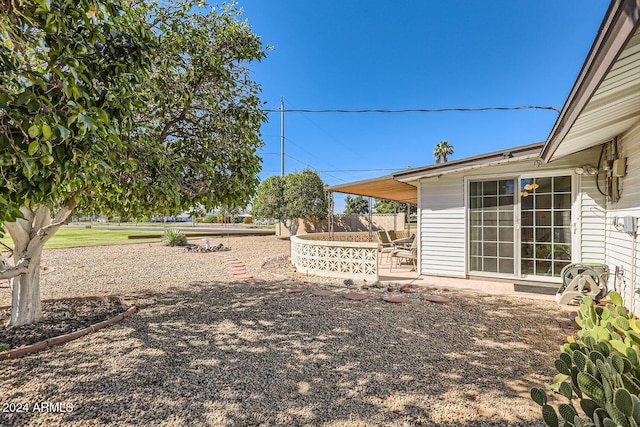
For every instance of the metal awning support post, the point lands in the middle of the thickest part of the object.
(370, 221)
(330, 217)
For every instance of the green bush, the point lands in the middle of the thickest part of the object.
(174, 238)
(209, 219)
(600, 371)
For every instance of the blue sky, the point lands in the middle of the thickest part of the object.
(413, 54)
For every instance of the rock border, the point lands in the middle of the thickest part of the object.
(61, 339)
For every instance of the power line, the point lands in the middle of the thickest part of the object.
(418, 110)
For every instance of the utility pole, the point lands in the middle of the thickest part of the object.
(282, 136)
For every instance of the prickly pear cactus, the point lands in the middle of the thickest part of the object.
(599, 372)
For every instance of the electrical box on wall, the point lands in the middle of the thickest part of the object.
(620, 167)
(629, 224)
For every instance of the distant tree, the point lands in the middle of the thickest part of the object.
(442, 151)
(290, 198)
(118, 107)
(356, 205)
(383, 206)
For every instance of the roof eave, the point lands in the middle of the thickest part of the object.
(616, 29)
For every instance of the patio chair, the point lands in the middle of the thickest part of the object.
(410, 254)
(385, 245)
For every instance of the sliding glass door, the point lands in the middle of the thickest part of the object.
(540, 245)
(545, 218)
(491, 205)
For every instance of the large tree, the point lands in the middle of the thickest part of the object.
(291, 198)
(356, 205)
(118, 108)
(442, 151)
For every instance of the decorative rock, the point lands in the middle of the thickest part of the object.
(354, 296)
(437, 299)
(323, 293)
(294, 290)
(405, 288)
(465, 295)
(394, 299)
(390, 289)
(348, 282)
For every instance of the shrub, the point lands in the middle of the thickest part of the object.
(600, 371)
(247, 220)
(174, 238)
(209, 219)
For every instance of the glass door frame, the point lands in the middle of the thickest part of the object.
(575, 215)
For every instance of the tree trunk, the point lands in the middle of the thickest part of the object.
(25, 292)
(29, 235)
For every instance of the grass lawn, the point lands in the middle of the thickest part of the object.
(76, 237)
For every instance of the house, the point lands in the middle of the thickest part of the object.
(525, 213)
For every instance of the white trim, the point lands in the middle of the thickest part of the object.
(576, 217)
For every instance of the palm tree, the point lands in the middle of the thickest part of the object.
(442, 150)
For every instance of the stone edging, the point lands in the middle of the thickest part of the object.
(61, 339)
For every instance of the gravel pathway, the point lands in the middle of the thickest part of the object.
(207, 350)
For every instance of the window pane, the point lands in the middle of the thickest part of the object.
(562, 218)
(543, 234)
(526, 234)
(527, 219)
(505, 250)
(476, 263)
(490, 218)
(562, 234)
(543, 268)
(505, 234)
(490, 249)
(475, 189)
(562, 201)
(543, 201)
(506, 265)
(476, 248)
(490, 265)
(476, 217)
(490, 234)
(489, 188)
(476, 233)
(527, 266)
(489, 202)
(562, 184)
(542, 185)
(506, 186)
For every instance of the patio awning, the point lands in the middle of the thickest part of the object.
(383, 187)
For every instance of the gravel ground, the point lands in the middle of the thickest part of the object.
(207, 350)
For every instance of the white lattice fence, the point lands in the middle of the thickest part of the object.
(353, 260)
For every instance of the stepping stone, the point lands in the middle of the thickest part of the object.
(294, 290)
(323, 293)
(394, 299)
(242, 276)
(354, 296)
(271, 288)
(254, 280)
(437, 299)
(465, 295)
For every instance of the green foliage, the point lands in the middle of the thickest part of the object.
(174, 238)
(70, 80)
(297, 195)
(442, 150)
(383, 206)
(127, 107)
(356, 205)
(4, 347)
(601, 368)
(209, 219)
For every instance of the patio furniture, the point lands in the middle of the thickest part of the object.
(403, 243)
(410, 254)
(385, 245)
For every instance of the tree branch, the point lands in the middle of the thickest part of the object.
(18, 269)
